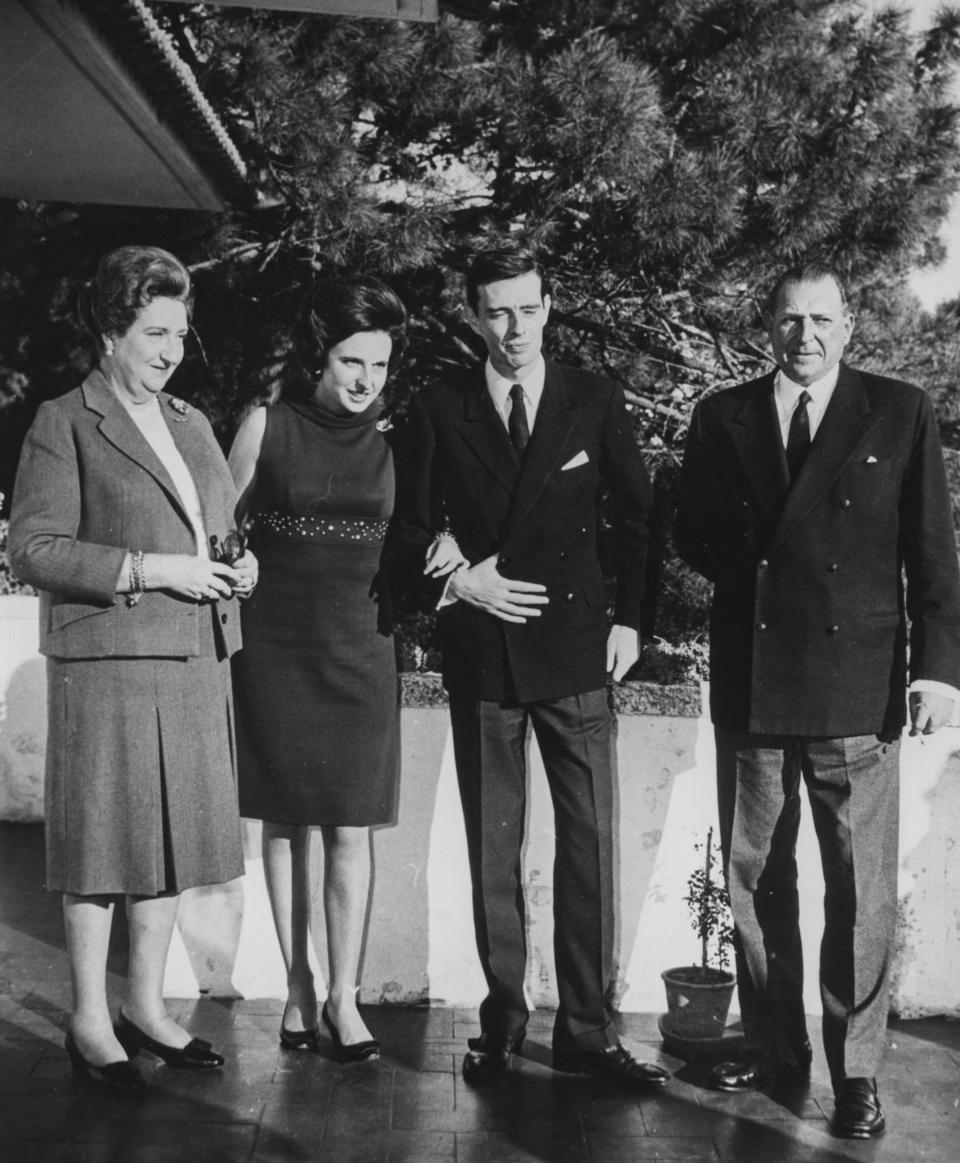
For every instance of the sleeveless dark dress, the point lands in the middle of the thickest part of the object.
(316, 687)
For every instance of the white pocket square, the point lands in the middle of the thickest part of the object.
(870, 460)
(580, 458)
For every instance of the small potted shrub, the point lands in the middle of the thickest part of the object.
(698, 996)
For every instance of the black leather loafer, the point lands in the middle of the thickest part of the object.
(746, 1072)
(859, 1114)
(616, 1063)
(489, 1056)
(196, 1055)
(122, 1076)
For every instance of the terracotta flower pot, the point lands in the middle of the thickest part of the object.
(698, 1000)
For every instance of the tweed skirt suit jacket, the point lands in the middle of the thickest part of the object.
(140, 770)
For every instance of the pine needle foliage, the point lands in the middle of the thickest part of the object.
(667, 156)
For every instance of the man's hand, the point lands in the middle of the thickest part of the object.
(623, 650)
(483, 586)
(929, 711)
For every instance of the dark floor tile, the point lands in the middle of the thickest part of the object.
(27, 1150)
(221, 1144)
(74, 1153)
(521, 1146)
(420, 1147)
(613, 1149)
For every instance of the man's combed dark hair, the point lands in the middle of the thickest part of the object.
(335, 309)
(127, 280)
(508, 262)
(807, 272)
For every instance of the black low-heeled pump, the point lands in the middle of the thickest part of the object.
(350, 1051)
(300, 1039)
(196, 1055)
(122, 1076)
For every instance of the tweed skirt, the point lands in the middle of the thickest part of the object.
(141, 778)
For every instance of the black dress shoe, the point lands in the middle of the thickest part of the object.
(746, 1072)
(121, 1076)
(300, 1039)
(859, 1114)
(196, 1055)
(489, 1056)
(615, 1063)
(349, 1051)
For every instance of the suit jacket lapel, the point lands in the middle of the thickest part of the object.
(485, 433)
(845, 423)
(117, 427)
(556, 418)
(755, 431)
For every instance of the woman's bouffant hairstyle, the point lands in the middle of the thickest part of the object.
(127, 280)
(335, 309)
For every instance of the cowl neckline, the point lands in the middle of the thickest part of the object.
(320, 414)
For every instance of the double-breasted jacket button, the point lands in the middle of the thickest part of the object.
(846, 503)
(563, 555)
(503, 559)
(763, 564)
(223, 619)
(832, 567)
(833, 629)
(570, 596)
(761, 626)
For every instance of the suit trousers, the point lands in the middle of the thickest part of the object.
(576, 738)
(853, 789)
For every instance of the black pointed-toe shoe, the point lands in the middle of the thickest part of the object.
(745, 1072)
(300, 1039)
(489, 1056)
(615, 1063)
(859, 1114)
(365, 1051)
(196, 1055)
(122, 1076)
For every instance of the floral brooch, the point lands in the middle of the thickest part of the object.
(384, 425)
(179, 407)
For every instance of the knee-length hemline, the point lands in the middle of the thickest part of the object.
(140, 779)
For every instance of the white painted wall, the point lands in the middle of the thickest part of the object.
(420, 940)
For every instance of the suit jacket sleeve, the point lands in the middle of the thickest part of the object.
(930, 558)
(46, 548)
(417, 517)
(623, 470)
(694, 531)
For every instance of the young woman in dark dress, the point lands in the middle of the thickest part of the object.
(316, 682)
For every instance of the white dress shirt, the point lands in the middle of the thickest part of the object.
(532, 384)
(787, 395)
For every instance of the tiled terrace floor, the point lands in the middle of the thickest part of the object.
(412, 1105)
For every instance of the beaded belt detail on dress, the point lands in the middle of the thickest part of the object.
(353, 530)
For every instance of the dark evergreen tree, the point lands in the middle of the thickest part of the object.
(667, 155)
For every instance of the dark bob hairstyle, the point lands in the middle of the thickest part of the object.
(127, 280)
(335, 309)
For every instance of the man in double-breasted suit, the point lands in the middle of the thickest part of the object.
(815, 500)
(511, 460)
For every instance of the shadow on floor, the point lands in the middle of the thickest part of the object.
(412, 1106)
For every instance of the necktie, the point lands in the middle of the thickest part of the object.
(517, 421)
(798, 437)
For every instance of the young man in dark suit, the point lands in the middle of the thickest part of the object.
(809, 496)
(511, 458)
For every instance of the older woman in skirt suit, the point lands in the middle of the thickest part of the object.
(122, 502)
